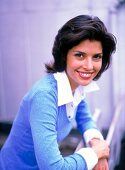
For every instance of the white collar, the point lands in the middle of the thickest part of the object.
(65, 93)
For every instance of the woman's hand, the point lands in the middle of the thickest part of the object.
(102, 165)
(100, 147)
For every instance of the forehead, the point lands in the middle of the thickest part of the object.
(88, 45)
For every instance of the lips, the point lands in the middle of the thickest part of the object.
(85, 75)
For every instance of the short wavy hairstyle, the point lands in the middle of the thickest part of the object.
(74, 31)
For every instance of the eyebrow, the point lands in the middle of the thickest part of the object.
(86, 53)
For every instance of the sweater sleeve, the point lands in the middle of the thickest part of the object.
(84, 117)
(43, 118)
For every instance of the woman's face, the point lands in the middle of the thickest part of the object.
(84, 61)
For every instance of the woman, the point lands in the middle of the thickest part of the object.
(82, 52)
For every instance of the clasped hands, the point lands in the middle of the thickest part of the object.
(101, 148)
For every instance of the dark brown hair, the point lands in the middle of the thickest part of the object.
(72, 33)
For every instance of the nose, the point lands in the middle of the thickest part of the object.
(88, 63)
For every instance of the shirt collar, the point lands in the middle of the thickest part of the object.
(65, 93)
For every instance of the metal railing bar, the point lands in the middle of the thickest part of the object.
(114, 122)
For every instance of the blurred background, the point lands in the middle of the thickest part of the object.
(27, 32)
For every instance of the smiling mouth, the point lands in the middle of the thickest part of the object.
(85, 74)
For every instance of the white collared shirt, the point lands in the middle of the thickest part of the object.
(65, 95)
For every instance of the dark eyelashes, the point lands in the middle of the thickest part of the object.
(98, 56)
(82, 55)
(78, 55)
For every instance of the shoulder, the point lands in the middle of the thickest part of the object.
(46, 85)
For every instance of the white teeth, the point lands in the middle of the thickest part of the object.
(85, 74)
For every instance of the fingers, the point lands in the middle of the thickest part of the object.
(102, 165)
(101, 148)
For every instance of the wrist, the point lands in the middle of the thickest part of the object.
(94, 141)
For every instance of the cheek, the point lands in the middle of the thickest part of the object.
(99, 66)
(70, 64)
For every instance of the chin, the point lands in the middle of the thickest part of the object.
(85, 83)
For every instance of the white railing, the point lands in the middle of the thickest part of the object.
(115, 134)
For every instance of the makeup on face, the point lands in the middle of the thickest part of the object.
(84, 61)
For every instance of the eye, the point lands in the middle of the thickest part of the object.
(79, 55)
(97, 57)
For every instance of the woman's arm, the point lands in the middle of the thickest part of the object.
(89, 130)
(84, 117)
(43, 118)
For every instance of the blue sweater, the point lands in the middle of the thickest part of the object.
(38, 127)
